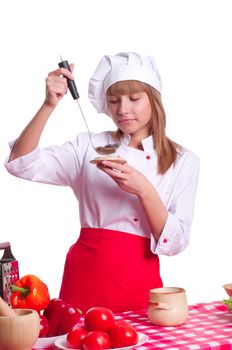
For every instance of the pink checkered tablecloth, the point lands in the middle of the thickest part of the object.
(209, 326)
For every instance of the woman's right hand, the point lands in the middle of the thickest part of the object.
(56, 85)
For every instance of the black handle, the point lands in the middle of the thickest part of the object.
(71, 83)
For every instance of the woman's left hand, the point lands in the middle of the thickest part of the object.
(134, 182)
(125, 176)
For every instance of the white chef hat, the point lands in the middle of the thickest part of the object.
(123, 66)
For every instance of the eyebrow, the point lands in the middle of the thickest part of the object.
(125, 94)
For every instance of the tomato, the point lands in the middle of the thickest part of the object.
(123, 335)
(69, 317)
(116, 323)
(99, 318)
(76, 336)
(96, 340)
(44, 326)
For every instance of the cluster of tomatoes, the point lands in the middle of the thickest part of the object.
(100, 330)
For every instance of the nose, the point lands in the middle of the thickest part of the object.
(123, 107)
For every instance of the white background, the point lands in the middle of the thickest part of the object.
(191, 41)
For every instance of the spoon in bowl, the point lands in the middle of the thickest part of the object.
(103, 150)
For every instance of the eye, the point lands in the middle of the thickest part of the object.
(134, 99)
(113, 101)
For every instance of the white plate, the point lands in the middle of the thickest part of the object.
(61, 342)
(45, 343)
(109, 158)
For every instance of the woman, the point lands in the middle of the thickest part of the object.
(129, 212)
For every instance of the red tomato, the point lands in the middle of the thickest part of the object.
(44, 326)
(123, 335)
(99, 318)
(96, 340)
(116, 323)
(76, 336)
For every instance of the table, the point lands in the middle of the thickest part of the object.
(209, 326)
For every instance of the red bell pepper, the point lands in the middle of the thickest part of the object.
(29, 292)
(61, 317)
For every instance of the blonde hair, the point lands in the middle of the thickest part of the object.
(166, 149)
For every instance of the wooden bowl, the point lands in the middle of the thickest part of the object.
(228, 289)
(20, 332)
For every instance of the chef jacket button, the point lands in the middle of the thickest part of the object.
(165, 240)
(135, 219)
(148, 157)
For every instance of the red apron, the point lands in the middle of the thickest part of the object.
(109, 268)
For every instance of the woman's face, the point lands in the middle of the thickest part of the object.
(131, 113)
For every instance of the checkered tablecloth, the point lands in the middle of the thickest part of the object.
(209, 326)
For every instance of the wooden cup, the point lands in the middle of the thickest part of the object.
(19, 332)
(167, 306)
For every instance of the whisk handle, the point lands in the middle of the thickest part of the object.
(71, 83)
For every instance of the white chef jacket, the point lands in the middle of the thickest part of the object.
(102, 204)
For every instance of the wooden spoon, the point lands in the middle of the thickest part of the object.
(6, 310)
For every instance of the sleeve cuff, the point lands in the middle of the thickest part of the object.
(169, 242)
(20, 163)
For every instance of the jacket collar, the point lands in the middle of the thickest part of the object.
(147, 143)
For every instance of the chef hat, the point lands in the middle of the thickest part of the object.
(123, 66)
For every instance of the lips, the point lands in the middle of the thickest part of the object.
(126, 120)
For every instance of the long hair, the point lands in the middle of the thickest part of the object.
(166, 149)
